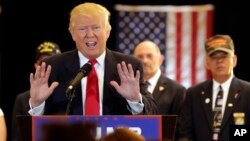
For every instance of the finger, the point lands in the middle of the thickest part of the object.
(43, 69)
(47, 73)
(120, 72)
(53, 86)
(37, 73)
(131, 71)
(125, 69)
(31, 77)
(137, 77)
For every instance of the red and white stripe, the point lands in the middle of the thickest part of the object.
(187, 29)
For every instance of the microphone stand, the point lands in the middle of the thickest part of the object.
(70, 95)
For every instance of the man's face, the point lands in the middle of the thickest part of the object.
(150, 58)
(90, 35)
(221, 65)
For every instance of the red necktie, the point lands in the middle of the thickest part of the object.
(92, 93)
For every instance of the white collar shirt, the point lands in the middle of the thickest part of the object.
(225, 86)
(99, 67)
(153, 81)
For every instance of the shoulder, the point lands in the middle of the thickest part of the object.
(240, 85)
(201, 86)
(114, 57)
(171, 82)
(23, 96)
(121, 56)
(62, 58)
(64, 62)
(242, 82)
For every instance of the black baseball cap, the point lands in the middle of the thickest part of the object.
(47, 48)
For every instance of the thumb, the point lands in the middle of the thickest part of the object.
(53, 86)
(115, 85)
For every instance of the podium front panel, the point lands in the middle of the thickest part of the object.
(152, 127)
(148, 126)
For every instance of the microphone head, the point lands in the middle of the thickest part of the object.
(86, 68)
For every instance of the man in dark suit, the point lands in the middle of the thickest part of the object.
(168, 94)
(212, 106)
(122, 90)
(44, 50)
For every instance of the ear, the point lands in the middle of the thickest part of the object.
(72, 33)
(108, 33)
(207, 63)
(161, 59)
(235, 59)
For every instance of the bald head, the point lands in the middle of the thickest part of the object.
(150, 56)
(147, 45)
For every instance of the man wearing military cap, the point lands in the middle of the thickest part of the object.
(44, 50)
(213, 105)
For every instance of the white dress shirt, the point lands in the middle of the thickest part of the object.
(225, 86)
(153, 81)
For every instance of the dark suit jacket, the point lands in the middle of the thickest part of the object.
(66, 65)
(21, 107)
(169, 96)
(197, 115)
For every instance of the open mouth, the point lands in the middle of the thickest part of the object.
(91, 44)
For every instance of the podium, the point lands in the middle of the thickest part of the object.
(152, 127)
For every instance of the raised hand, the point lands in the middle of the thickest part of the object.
(39, 89)
(130, 84)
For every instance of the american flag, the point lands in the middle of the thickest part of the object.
(179, 31)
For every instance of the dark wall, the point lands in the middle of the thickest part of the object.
(24, 24)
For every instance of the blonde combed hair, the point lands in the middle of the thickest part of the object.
(90, 10)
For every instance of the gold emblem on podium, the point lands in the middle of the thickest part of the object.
(239, 118)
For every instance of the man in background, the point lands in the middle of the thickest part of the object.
(44, 50)
(212, 106)
(168, 94)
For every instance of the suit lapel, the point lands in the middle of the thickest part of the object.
(72, 65)
(159, 88)
(206, 101)
(110, 74)
(232, 100)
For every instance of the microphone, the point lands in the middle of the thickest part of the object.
(84, 71)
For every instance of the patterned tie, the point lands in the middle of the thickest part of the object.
(218, 114)
(92, 93)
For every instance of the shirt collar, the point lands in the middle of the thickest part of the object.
(100, 60)
(155, 77)
(224, 85)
